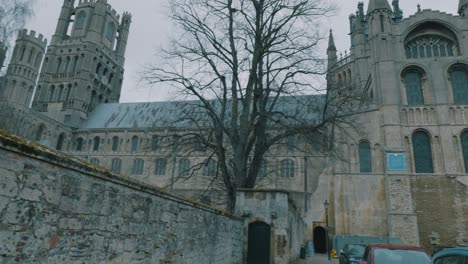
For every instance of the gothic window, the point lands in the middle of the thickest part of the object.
(79, 144)
(209, 168)
(464, 141)
(31, 54)
(59, 65)
(160, 167)
(154, 143)
(287, 168)
(38, 59)
(422, 152)
(135, 141)
(459, 79)
(414, 91)
(365, 160)
(75, 63)
(429, 47)
(60, 141)
(96, 143)
(80, 20)
(116, 165)
(184, 168)
(51, 95)
(98, 68)
(138, 167)
(67, 65)
(115, 143)
(39, 133)
(94, 161)
(22, 53)
(110, 31)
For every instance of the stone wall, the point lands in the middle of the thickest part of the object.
(276, 209)
(55, 209)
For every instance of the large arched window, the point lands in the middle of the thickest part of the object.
(422, 152)
(115, 143)
(431, 40)
(287, 168)
(96, 143)
(414, 88)
(116, 165)
(160, 167)
(138, 167)
(135, 141)
(184, 168)
(80, 20)
(464, 141)
(209, 168)
(110, 31)
(365, 159)
(459, 78)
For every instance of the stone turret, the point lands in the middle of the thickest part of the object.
(63, 21)
(463, 8)
(397, 12)
(124, 30)
(24, 67)
(331, 51)
(375, 5)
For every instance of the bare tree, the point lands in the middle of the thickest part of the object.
(13, 15)
(248, 65)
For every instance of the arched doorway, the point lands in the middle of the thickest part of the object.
(320, 240)
(258, 248)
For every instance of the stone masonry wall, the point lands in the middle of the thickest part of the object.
(55, 209)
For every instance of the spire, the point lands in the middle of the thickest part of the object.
(398, 13)
(378, 4)
(462, 6)
(331, 42)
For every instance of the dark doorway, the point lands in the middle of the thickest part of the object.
(320, 238)
(258, 251)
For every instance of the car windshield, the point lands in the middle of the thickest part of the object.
(355, 250)
(400, 256)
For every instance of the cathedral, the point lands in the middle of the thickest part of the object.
(404, 173)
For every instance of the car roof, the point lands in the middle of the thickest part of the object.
(452, 251)
(395, 246)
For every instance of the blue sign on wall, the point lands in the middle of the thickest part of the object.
(396, 161)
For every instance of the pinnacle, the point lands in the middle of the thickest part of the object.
(379, 4)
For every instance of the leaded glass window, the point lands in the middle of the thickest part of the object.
(365, 160)
(160, 167)
(184, 167)
(460, 86)
(209, 168)
(116, 165)
(97, 142)
(429, 47)
(422, 153)
(464, 141)
(287, 168)
(110, 31)
(138, 166)
(414, 92)
(80, 20)
(154, 143)
(115, 143)
(135, 140)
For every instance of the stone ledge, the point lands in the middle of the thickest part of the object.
(34, 150)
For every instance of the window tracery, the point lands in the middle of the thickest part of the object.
(430, 47)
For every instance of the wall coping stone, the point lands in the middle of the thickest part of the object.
(37, 151)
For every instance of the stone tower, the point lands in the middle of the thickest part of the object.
(84, 64)
(24, 67)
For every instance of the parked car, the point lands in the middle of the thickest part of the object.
(451, 256)
(352, 253)
(394, 254)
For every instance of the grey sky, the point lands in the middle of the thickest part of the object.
(150, 30)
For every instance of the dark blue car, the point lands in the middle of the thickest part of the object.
(451, 256)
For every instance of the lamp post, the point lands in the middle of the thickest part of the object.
(326, 205)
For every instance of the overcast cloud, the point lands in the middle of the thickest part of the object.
(150, 29)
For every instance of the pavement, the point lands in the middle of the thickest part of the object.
(318, 259)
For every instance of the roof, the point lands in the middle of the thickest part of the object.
(395, 246)
(306, 109)
(452, 251)
(378, 4)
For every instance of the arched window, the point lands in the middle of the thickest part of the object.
(464, 141)
(59, 65)
(38, 59)
(75, 63)
(154, 143)
(135, 140)
(110, 31)
(184, 168)
(422, 152)
(80, 20)
(79, 144)
(365, 160)
(431, 40)
(115, 143)
(209, 168)
(98, 68)
(60, 141)
(67, 65)
(96, 143)
(116, 165)
(51, 93)
(459, 78)
(414, 91)
(39, 132)
(138, 167)
(94, 161)
(287, 168)
(160, 167)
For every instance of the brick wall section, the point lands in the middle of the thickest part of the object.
(58, 210)
(442, 208)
